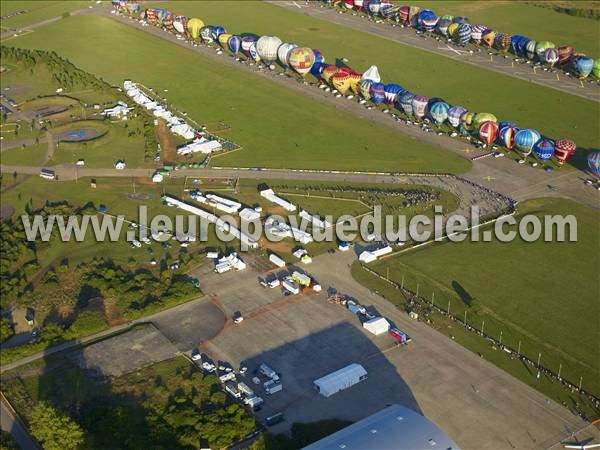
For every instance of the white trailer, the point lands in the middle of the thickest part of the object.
(340, 380)
(268, 372)
(290, 285)
(245, 389)
(254, 402)
(276, 260)
(272, 386)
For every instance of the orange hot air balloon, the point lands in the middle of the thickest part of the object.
(328, 72)
(355, 79)
(341, 82)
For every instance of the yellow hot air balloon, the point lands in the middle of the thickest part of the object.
(223, 39)
(328, 72)
(479, 118)
(341, 82)
(489, 37)
(467, 119)
(193, 27)
(452, 29)
(355, 80)
(301, 59)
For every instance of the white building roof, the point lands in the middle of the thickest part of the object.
(340, 379)
(377, 325)
(316, 221)
(249, 214)
(272, 197)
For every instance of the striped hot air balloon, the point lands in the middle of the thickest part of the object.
(151, 16)
(564, 149)
(301, 59)
(427, 20)
(329, 72)
(544, 149)
(584, 66)
(442, 26)
(193, 27)
(223, 39)
(506, 123)
(439, 111)
(349, 4)
(463, 33)
(406, 101)
(530, 49)
(467, 121)
(319, 58)
(502, 41)
(378, 93)
(419, 105)
(341, 82)
(488, 36)
(355, 82)
(488, 132)
(391, 92)
(180, 24)
(525, 140)
(404, 14)
(205, 32)
(365, 88)
(455, 114)
(551, 56)
(234, 43)
(541, 47)
(247, 42)
(477, 33)
(564, 54)
(168, 22)
(317, 69)
(507, 135)
(218, 31)
(374, 6)
(593, 161)
(266, 47)
(283, 53)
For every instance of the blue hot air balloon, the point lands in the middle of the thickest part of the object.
(378, 93)
(454, 115)
(516, 44)
(507, 135)
(506, 123)
(525, 140)
(365, 88)
(427, 20)
(459, 19)
(439, 111)
(374, 6)
(405, 101)
(317, 69)
(391, 93)
(234, 43)
(319, 58)
(544, 149)
(463, 33)
(217, 31)
(593, 161)
(584, 66)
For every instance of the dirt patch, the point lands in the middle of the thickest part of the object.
(112, 312)
(79, 135)
(6, 212)
(166, 141)
(139, 196)
(44, 111)
(16, 89)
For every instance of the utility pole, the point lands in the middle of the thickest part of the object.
(559, 370)
(500, 337)
(448, 306)
(539, 358)
(519, 351)
(402, 285)
(580, 381)
(432, 297)
(465, 321)
(482, 325)
(417, 290)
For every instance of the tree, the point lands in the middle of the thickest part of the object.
(55, 430)
(6, 330)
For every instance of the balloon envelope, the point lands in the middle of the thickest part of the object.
(406, 100)
(463, 33)
(378, 93)
(551, 56)
(439, 111)
(488, 132)
(525, 140)
(234, 43)
(584, 66)
(477, 33)
(391, 92)
(564, 54)
(483, 117)
(489, 36)
(427, 20)
(301, 59)
(218, 31)
(455, 114)
(544, 149)
(365, 88)
(193, 27)
(319, 58)
(541, 48)
(530, 49)
(564, 149)
(419, 105)
(283, 53)
(593, 161)
(507, 135)
(267, 46)
(205, 33)
(596, 68)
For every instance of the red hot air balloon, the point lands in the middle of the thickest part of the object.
(488, 132)
(564, 149)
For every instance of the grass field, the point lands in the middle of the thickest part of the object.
(277, 128)
(543, 294)
(528, 20)
(37, 11)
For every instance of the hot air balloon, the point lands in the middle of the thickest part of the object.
(525, 140)
(515, 42)
(317, 69)
(266, 47)
(459, 19)
(454, 115)
(406, 101)
(551, 56)
(463, 33)
(205, 32)
(442, 26)
(329, 72)
(488, 132)
(584, 66)
(218, 31)
(180, 24)
(319, 58)
(596, 68)
(530, 49)
(151, 15)
(355, 82)
(593, 161)
(116, 4)
(193, 27)
(427, 20)
(479, 118)
(521, 47)
(564, 54)
(359, 4)
(404, 14)
(168, 22)
(507, 135)
(506, 123)
(419, 105)
(453, 30)
(301, 59)
(502, 41)
(391, 92)
(365, 88)
(234, 43)
(389, 12)
(544, 149)
(477, 33)
(349, 4)
(447, 17)
(377, 93)
(488, 36)
(223, 39)
(253, 52)
(541, 47)
(564, 149)
(341, 82)
(372, 73)
(374, 6)
(439, 111)
(283, 53)
(247, 42)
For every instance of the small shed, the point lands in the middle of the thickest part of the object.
(377, 325)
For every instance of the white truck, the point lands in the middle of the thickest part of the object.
(290, 285)
(231, 387)
(245, 389)
(268, 372)
(272, 386)
(254, 402)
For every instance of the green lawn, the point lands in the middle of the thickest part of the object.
(543, 294)
(37, 11)
(276, 127)
(542, 24)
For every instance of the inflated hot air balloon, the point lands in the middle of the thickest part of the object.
(168, 22)
(459, 19)
(205, 32)
(488, 36)
(372, 73)
(404, 14)
(162, 15)
(584, 66)
(247, 42)
(540, 49)
(564, 149)
(506, 123)
(317, 69)
(442, 26)
(391, 12)
(358, 4)
(453, 30)
(427, 20)
(593, 161)
(328, 72)
(223, 39)
(488, 132)
(479, 118)
(596, 68)
(477, 33)
(365, 88)
(151, 15)
(374, 6)
(391, 92)
(349, 4)
(180, 24)
(341, 82)
(564, 54)
(467, 121)
(515, 43)
(234, 43)
(355, 82)
(319, 58)
(521, 47)
(507, 135)
(463, 33)
(544, 149)
(406, 101)
(455, 114)
(530, 49)
(253, 52)
(378, 93)
(193, 27)
(439, 111)
(218, 31)
(502, 41)
(301, 59)
(525, 140)
(419, 105)
(266, 47)
(551, 56)
(283, 53)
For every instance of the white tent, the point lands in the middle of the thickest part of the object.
(340, 380)
(377, 325)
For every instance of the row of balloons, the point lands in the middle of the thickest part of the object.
(460, 29)
(303, 60)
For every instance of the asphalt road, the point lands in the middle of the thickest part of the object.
(9, 423)
(408, 36)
